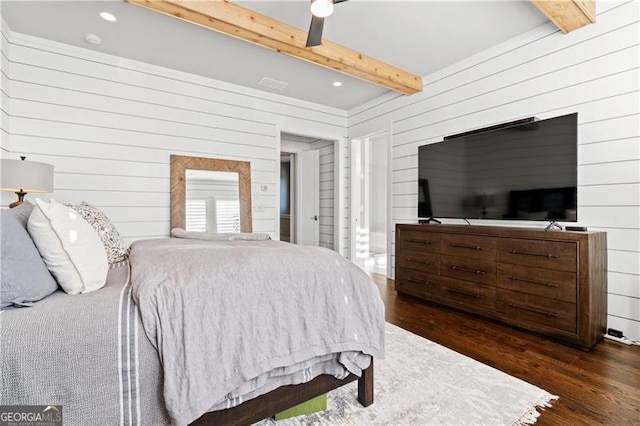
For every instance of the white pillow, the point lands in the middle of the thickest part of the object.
(70, 247)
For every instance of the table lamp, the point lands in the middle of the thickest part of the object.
(23, 177)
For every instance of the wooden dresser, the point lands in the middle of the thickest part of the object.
(550, 282)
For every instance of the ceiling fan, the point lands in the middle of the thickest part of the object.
(320, 9)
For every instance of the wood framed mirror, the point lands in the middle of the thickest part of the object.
(216, 192)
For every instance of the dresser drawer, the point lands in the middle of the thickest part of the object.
(419, 261)
(557, 255)
(474, 246)
(537, 310)
(469, 269)
(467, 294)
(558, 285)
(417, 284)
(420, 241)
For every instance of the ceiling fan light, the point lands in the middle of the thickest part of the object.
(322, 8)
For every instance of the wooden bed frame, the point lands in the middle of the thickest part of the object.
(284, 397)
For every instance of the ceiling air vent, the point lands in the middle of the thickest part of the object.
(272, 83)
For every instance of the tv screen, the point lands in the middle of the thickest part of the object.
(525, 172)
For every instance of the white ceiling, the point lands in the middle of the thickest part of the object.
(418, 36)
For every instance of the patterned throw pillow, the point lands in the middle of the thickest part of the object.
(113, 243)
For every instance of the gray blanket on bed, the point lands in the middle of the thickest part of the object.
(85, 352)
(226, 313)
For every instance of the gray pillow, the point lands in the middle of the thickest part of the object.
(25, 278)
(22, 213)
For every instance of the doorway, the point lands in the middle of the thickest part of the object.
(287, 161)
(370, 203)
(307, 183)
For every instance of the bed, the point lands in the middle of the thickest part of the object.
(190, 330)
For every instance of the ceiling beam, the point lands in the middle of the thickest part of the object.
(245, 24)
(568, 15)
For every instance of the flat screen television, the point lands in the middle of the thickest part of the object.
(525, 172)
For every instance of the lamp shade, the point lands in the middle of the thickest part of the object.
(26, 176)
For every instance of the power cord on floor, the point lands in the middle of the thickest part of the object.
(618, 336)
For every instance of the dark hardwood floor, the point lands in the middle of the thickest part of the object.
(597, 387)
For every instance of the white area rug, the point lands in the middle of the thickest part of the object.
(423, 383)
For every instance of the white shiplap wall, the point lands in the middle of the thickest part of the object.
(109, 125)
(593, 71)
(343, 156)
(4, 92)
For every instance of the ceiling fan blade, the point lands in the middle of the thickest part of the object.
(315, 31)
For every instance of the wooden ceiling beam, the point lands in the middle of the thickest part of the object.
(568, 15)
(245, 24)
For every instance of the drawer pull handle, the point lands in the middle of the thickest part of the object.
(414, 280)
(464, 293)
(473, 271)
(415, 240)
(526, 280)
(424, 262)
(467, 246)
(524, 253)
(536, 311)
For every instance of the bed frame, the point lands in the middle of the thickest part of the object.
(284, 397)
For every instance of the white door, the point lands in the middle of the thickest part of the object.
(370, 203)
(307, 210)
(359, 201)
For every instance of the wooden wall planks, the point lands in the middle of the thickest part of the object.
(4, 94)
(109, 125)
(594, 71)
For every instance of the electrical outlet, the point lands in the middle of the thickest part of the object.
(615, 333)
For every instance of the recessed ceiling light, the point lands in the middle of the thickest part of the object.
(337, 83)
(108, 16)
(92, 38)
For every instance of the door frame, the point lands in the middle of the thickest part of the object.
(340, 146)
(352, 217)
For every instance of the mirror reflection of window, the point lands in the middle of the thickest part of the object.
(228, 214)
(196, 212)
(212, 201)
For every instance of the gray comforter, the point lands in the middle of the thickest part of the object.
(233, 319)
(86, 352)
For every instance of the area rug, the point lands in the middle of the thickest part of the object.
(422, 383)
